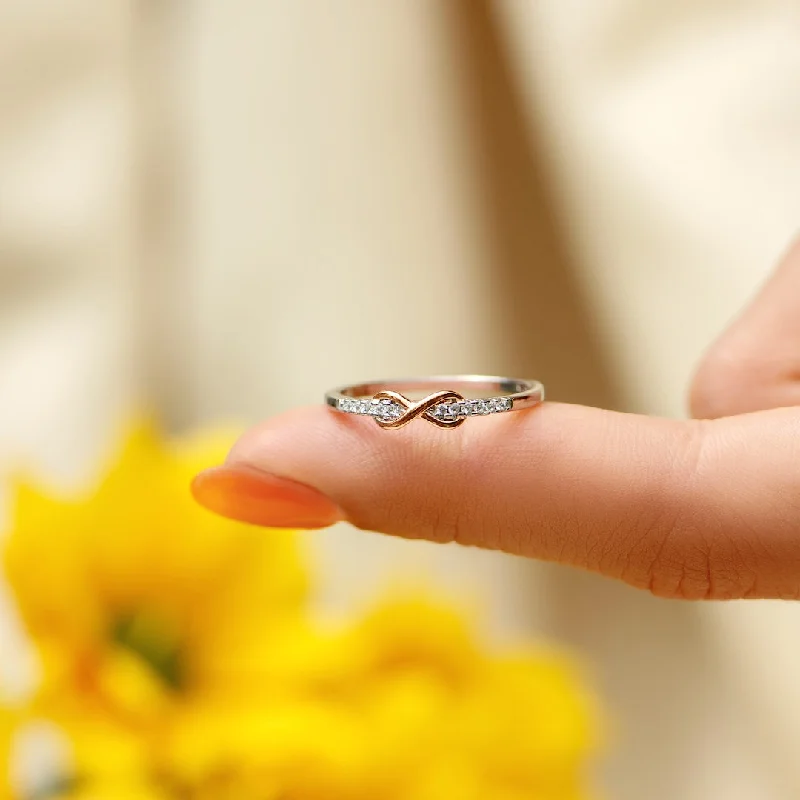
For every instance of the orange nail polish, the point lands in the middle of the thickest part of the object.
(260, 498)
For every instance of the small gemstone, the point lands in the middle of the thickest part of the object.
(469, 408)
(483, 407)
(503, 404)
(344, 405)
(384, 408)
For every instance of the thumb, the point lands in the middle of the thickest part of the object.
(695, 509)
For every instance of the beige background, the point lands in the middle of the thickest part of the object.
(220, 209)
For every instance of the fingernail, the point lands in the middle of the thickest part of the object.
(260, 498)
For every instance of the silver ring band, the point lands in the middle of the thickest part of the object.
(446, 407)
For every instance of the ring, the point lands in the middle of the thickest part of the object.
(446, 407)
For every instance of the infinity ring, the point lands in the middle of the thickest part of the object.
(386, 401)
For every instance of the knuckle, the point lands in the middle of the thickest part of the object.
(675, 557)
(689, 578)
(701, 575)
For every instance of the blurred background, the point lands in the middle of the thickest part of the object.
(218, 210)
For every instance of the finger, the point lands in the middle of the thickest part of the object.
(755, 364)
(684, 509)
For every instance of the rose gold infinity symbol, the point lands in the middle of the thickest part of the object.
(418, 409)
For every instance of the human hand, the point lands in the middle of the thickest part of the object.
(704, 508)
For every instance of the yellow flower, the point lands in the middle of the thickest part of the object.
(403, 706)
(312, 749)
(139, 602)
(8, 724)
(548, 725)
(111, 790)
(409, 635)
(448, 719)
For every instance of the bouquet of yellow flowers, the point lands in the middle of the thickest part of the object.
(180, 661)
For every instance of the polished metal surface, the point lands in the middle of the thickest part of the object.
(451, 398)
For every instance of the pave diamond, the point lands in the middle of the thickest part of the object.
(383, 408)
(445, 411)
(448, 411)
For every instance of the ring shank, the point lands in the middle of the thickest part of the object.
(524, 393)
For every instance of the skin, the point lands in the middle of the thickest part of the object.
(707, 508)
